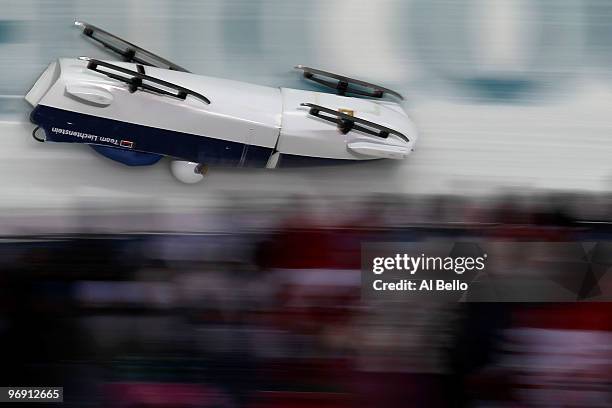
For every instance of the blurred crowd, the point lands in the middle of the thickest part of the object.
(257, 303)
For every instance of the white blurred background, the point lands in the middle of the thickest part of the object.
(506, 94)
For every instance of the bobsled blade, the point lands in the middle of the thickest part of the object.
(343, 84)
(128, 51)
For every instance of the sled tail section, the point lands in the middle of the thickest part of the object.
(346, 85)
(128, 51)
(43, 83)
(139, 80)
(347, 122)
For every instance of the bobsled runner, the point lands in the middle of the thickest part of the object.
(143, 108)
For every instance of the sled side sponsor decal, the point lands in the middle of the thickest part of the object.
(89, 138)
(79, 135)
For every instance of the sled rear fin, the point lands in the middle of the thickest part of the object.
(343, 86)
(137, 80)
(128, 51)
(347, 122)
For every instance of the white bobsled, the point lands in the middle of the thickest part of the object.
(138, 111)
